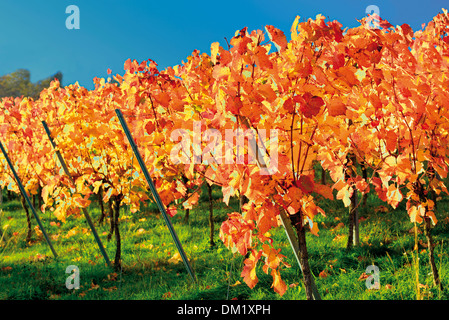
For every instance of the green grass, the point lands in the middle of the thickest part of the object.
(29, 271)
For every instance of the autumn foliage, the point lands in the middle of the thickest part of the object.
(380, 95)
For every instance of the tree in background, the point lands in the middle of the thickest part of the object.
(18, 83)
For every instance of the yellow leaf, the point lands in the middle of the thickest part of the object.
(294, 30)
(344, 195)
(45, 194)
(60, 213)
(214, 51)
(38, 231)
(236, 283)
(97, 185)
(176, 258)
(71, 232)
(415, 213)
(432, 216)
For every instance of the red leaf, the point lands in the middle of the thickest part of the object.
(311, 106)
(338, 60)
(172, 211)
(305, 183)
(380, 189)
(28, 133)
(323, 274)
(289, 106)
(167, 295)
(150, 127)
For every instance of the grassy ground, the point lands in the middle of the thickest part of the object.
(28, 271)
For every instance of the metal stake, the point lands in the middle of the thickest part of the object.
(22, 190)
(86, 214)
(155, 193)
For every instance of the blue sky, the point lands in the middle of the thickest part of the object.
(33, 34)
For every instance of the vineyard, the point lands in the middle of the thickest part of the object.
(344, 166)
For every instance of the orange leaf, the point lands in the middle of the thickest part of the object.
(339, 226)
(167, 295)
(391, 140)
(325, 191)
(336, 108)
(323, 274)
(80, 201)
(362, 186)
(363, 276)
(277, 37)
(233, 105)
(348, 75)
(193, 200)
(262, 59)
(394, 196)
(279, 285)
(249, 270)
